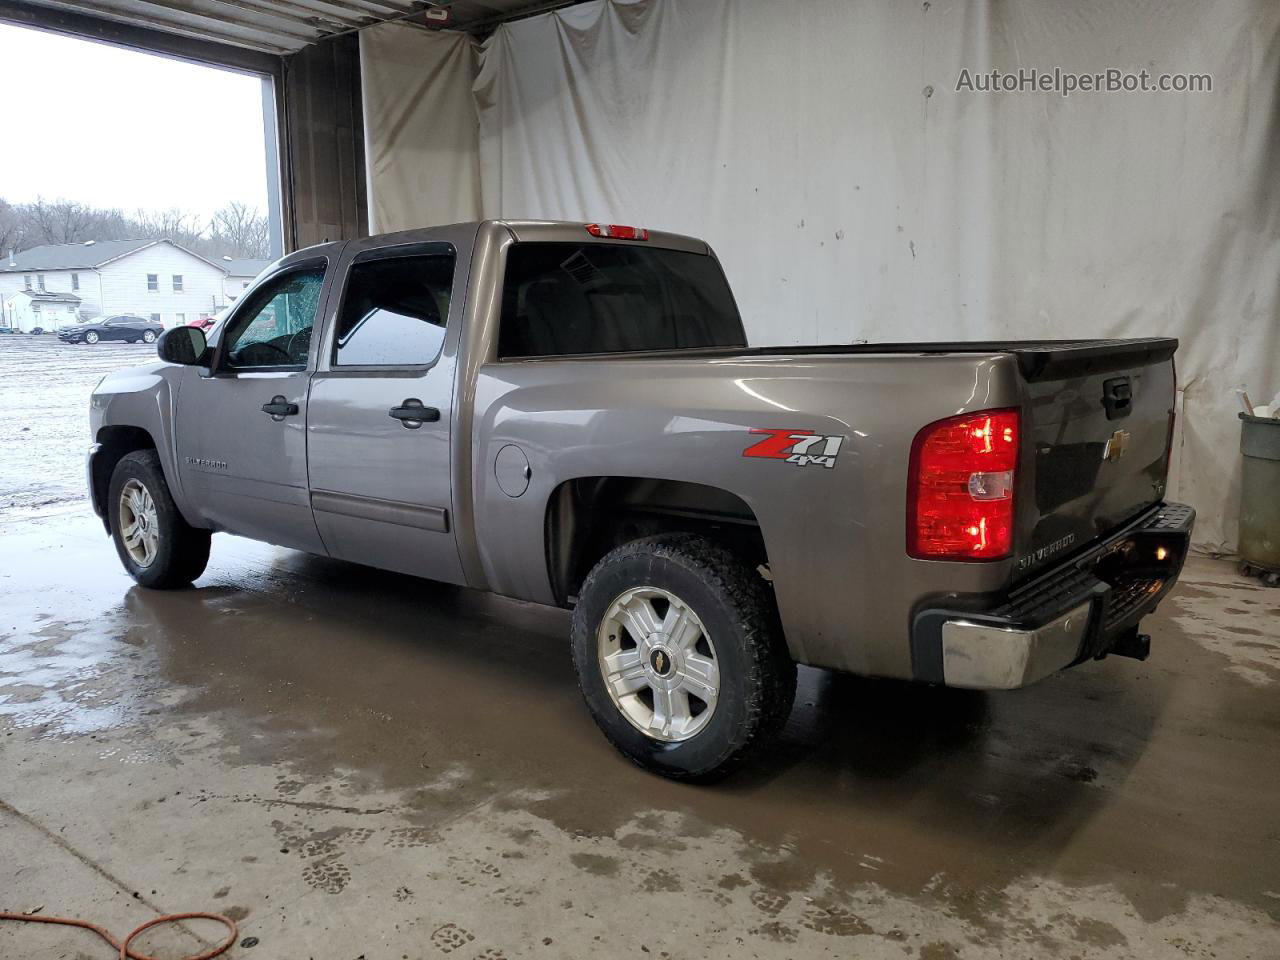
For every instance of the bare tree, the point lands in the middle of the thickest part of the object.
(65, 221)
(238, 229)
(13, 228)
(177, 225)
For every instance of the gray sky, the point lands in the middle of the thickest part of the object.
(115, 128)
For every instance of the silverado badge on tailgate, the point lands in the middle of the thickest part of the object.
(801, 447)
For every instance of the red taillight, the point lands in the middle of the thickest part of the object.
(960, 487)
(615, 231)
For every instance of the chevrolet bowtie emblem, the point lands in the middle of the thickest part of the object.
(1117, 444)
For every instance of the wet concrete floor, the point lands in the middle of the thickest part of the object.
(357, 764)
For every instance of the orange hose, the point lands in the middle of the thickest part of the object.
(123, 945)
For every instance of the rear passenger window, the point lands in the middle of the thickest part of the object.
(395, 311)
(582, 298)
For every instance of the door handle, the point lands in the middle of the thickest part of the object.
(413, 414)
(279, 408)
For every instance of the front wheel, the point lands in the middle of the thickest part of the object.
(90, 337)
(680, 656)
(149, 337)
(156, 545)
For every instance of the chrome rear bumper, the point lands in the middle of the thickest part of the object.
(1087, 607)
(984, 656)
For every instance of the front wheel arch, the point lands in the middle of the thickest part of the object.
(157, 547)
(115, 443)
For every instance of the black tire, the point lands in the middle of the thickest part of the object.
(736, 606)
(149, 337)
(183, 550)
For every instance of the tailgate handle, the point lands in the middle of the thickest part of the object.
(1117, 397)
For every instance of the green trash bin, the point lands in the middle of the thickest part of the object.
(1260, 498)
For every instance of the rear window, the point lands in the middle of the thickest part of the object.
(394, 312)
(571, 298)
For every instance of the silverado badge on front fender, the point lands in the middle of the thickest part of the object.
(801, 447)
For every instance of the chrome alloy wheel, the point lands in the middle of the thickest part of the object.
(139, 523)
(658, 664)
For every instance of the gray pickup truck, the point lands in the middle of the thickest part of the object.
(570, 414)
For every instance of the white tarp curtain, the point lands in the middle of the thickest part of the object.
(853, 193)
(420, 127)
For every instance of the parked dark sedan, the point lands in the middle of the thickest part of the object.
(122, 327)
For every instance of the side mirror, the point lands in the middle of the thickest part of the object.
(182, 345)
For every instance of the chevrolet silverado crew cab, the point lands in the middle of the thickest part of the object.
(570, 414)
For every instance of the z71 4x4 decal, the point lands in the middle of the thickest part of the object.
(801, 447)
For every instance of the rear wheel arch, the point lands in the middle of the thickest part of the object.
(587, 517)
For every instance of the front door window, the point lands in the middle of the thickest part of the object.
(274, 329)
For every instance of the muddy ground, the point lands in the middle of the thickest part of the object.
(354, 764)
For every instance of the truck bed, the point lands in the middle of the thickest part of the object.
(1037, 359)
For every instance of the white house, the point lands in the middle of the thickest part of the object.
(29, 309)
(148, 278)
(240, 273)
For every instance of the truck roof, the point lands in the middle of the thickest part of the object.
(543, 231)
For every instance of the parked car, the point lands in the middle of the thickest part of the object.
(206, 324)
(121, 327)
(588, 428)
(37, 331)
(9, 330)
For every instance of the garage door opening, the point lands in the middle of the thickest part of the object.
(134, 184)
(138, 193)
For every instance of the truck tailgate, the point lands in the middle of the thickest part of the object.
(1098, 420)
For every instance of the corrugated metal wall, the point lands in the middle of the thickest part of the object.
(326, 195)
(286, 26)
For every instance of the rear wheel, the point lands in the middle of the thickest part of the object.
(156, 545)
(680, 656)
